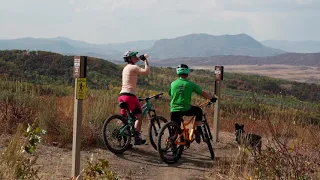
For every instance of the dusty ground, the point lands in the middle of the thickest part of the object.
(141, 162)
(293, 73)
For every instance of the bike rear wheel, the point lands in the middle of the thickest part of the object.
(207, 139)
(171, 129)
(116, 142)
(154, 127)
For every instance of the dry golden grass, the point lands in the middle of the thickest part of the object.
(290, 151)
(15, 163)
(285, 138)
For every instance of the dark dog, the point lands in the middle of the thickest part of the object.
(246, 141)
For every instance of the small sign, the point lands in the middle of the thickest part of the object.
(81, 88)
(218, 71)
(76, 68)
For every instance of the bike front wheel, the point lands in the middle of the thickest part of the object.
(208, 130)
(154, 127)
(168, 150)
(116, 134)
(206, 138)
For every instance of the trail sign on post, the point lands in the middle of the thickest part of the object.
(76, 67)
(217, 90)
(80, 88)
(218, 71)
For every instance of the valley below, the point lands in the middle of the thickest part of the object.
(307, 74)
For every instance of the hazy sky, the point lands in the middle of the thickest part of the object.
(106, 21)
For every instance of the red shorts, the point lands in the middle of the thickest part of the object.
(133, 103)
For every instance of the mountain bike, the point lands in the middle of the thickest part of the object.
(121, 129)
(180, 138)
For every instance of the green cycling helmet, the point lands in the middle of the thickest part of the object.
(183, 69)
(127, 55)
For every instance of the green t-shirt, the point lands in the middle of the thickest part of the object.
(181, 91)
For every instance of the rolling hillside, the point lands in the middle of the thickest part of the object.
(45, 68)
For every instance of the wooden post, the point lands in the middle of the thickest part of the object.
(217, 90)
(80, 88)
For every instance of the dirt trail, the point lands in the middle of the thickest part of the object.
(141, 162)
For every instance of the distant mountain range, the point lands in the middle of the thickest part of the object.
(294, 59)
(193, 45)
(294, 46)
(205, 45)
(196, 48)
(73, 47)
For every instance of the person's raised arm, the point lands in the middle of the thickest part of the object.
(146, 69)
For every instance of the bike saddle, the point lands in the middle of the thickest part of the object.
(123, 105)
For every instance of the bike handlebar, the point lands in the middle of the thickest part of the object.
(151, 97)
(208, 103)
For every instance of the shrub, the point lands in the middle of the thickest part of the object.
(98, 169)
(18, 160)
